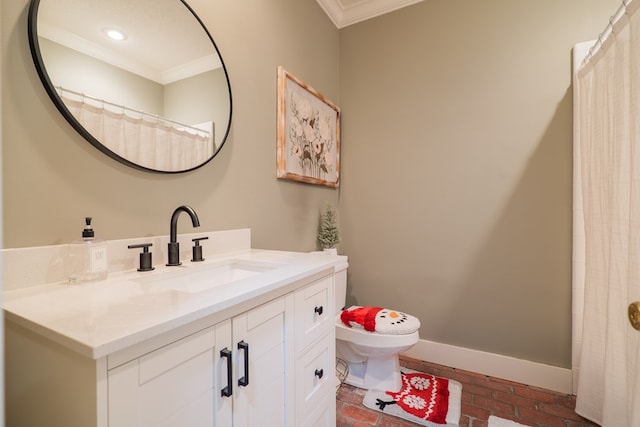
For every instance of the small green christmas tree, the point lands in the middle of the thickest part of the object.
(328, 234)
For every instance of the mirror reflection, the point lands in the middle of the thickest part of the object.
(142, 80)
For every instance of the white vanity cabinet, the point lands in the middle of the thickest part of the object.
(233, 373)
(315, 351)
(279, 372)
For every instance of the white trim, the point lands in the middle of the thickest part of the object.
(193, 68)
(343, 16)
(94, 50)
(494, 365)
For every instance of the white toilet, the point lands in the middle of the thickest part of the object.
(371, 347)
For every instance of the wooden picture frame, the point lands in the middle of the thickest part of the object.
(308, 146)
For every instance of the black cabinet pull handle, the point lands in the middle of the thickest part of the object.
(228, 390)
(244, 381)
(318, 310)
(319, 373)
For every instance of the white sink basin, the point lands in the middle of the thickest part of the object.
(193, 279)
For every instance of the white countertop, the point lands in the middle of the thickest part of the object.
(99, 318)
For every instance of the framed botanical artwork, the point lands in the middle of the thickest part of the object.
(308, 133)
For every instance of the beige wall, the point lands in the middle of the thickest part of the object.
(52, 178)
(182, 100)
(188, 103)
(78, 72)
(456, 203)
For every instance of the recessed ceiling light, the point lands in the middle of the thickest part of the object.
(114, 34)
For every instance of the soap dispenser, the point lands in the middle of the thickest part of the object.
(88, 257)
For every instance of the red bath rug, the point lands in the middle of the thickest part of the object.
(424, 399)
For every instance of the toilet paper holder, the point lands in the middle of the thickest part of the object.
(634, 315)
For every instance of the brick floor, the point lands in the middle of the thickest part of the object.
(481, 396)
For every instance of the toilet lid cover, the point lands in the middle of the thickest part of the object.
(380, 320)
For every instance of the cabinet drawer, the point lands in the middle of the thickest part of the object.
(322, 416)
(315, 377)
(314, 312)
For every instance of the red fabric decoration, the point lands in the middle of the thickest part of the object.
(364, 316)
(424, 396)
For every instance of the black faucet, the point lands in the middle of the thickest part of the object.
(174, 246)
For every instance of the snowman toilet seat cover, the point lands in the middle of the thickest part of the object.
(380, 320)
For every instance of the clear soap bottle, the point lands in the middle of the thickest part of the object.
(88, 259)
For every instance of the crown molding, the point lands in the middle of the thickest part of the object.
(356, 11)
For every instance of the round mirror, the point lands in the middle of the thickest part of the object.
(141, 80)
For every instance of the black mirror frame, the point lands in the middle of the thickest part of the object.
(34, 47)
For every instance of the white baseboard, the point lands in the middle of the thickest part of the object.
(494, 365)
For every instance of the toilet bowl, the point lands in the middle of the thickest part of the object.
(372, 358)
(370, 339)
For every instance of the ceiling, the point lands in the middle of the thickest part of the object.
(164, 43)
(347, 12)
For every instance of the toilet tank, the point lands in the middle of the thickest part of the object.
(341, 286)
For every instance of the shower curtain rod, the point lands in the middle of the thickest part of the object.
(142, 113)
(622, 10)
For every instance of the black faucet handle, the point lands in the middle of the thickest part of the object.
(197, 249)
(146, 263)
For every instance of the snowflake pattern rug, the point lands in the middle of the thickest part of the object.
(424, 399)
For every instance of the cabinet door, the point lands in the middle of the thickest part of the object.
(314, 312)
(223, 376)
(263, 362)
(324, 415)
(174, 386)
(315, 377)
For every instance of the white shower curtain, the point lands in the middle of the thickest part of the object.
(147, 142)
(608, 133)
